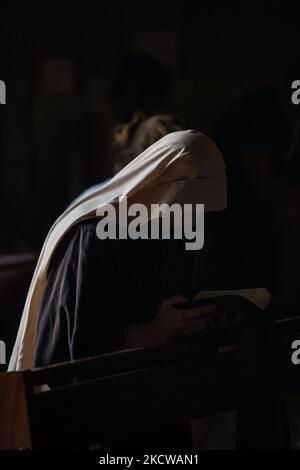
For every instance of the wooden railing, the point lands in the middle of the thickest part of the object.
(141, 398)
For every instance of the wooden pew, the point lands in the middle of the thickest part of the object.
(122, 400)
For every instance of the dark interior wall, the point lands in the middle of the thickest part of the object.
(215, 54)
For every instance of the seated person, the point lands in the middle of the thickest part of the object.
(86, 294)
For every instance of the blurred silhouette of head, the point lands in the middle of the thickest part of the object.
(142, 83)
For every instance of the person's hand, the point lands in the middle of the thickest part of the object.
(170, 322)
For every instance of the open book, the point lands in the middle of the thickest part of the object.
(260, 297)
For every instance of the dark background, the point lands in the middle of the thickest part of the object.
(59, 64)
(65, 94)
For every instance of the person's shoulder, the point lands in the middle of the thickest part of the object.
(80, 238)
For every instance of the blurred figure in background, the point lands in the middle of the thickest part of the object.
(118, 283)
(141, 84)
(130, 140)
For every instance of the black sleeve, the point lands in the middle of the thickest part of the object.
(80, 314)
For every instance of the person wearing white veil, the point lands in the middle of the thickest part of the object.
(86, 293)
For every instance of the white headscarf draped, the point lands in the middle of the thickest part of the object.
(184, 167)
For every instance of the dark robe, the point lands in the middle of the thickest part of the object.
(96, 288)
